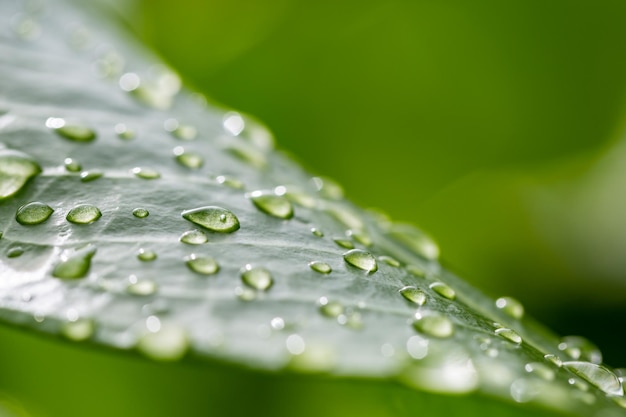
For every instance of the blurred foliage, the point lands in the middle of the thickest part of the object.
(493, 125)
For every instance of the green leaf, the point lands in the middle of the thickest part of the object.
(141, 219)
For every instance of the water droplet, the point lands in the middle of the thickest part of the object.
(415, 240)
(553, 359)
(15, 252)
(328, 188)
(75, 266)
(180, 131)
(142, 288)
(71, 165)
(214, 218)
(579, 348)
(511, 307)
(389, 261)
(509, 334)
(344, 243)
(190, 160)
(78, 330)
(321, 267)
(16, 168)
(194, 237)
(245, 293)
(351, 319)
(330, 308)
(277, 323)
(416, 271)
(168, 343)
(145, 255)
(141, 213)
(597, 375)
(129, 81)
(434, 325)
(257, 278)
(443, 290)
(540, 369)
(204, 265)
(33, 213)
(83, 214)
(230, 182)
(123, 132)
(295, 195)
(414, 295)
(233, 123)
(295, 344)
(76, 133)
(248, 155)
(361, 259)
(272, 204)
(319, 233)
(88, 176)
(417, 347)
(146, 173)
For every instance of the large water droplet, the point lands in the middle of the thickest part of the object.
(194, 237)
(579, 348)
(76, 133)
(256, 277)
(75, 266)
(72, 165)
(164, 342)
(33, 213)
(142, 287)
(596, 375)
(443, 290)
(511, 307)
(204, 265)
(415, 240)
(16, 168)
(141, 213)
(145, 255)
(188, 159)
(321, 267)
(434, 325)
(414, 295)
(83, 214)
(146, 173)
(272, 204)
(509, 334)
(361, 259)
(88, 176)
(214, 218)
(330, 308)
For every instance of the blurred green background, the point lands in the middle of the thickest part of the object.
(495, 126)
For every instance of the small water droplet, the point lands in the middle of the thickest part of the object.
(245, 293)
(248, 155)
(434, 325)
(146, 255)
(579, 348)
(180, 131)
(15, 252)
(328, 188)
(88, 176)
(204, 265)
(597, 375)
(272, 204)
(389, 261)
(194, 237)
(277, 323)
(540, 369)
(318, 233)
(75, 266)
(361, 259)
(76, 133)
(414, 295)
(83, 214)
(129, 81)
(124, 132)
(256, 277)
(141, 213)
(187, 159)
(295, 195)
(361, 237)
(443, 290)
(78, 330)
(214, 218)
(511, 307)
(553, 359)
(415, 240)
(330, 308)
(168, 343)
(146, 173)
(321, 267)
(344, 243)
(230, 182)
(142, 288)
(233, 123)
(72, 165)
(33, 213)
(509, 334)
(416, 271)
(16, 168)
